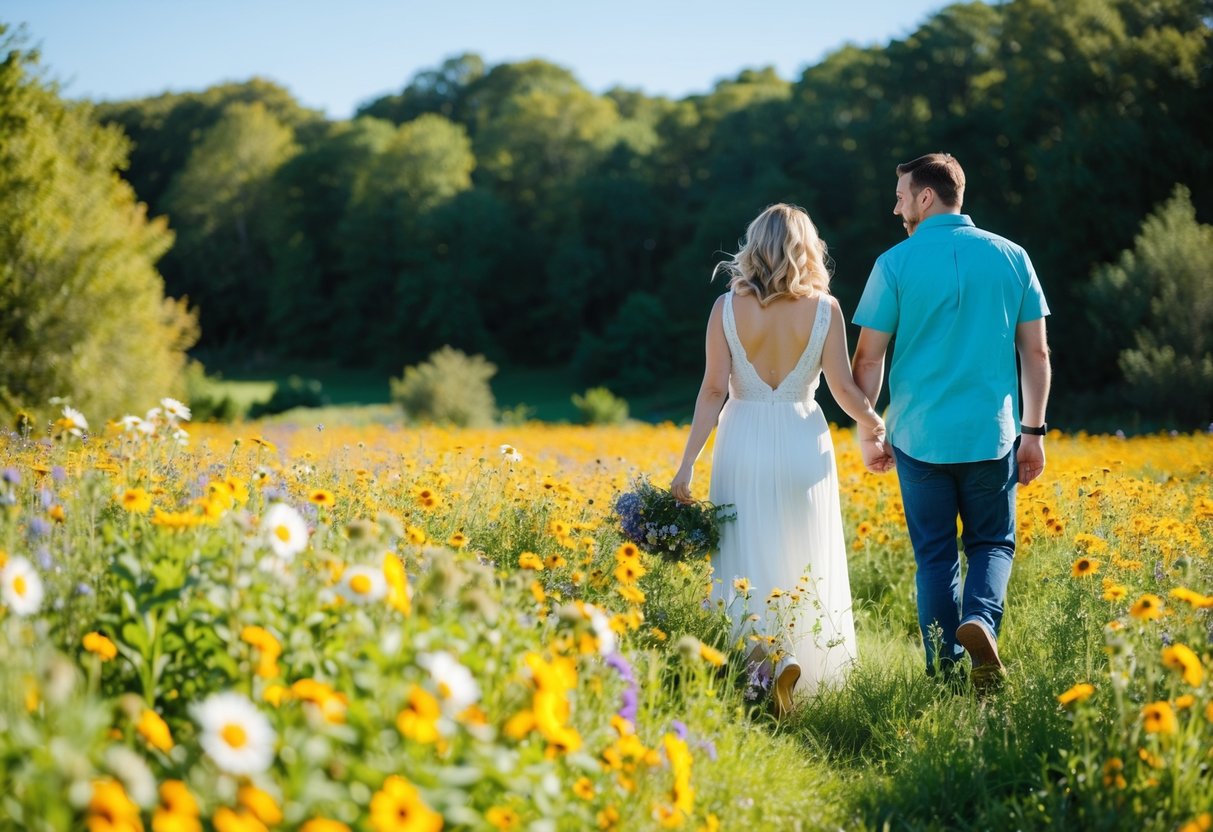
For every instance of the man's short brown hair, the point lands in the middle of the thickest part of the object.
(941, 173)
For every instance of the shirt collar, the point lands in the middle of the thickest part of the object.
(943, 220)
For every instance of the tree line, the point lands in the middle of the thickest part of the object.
(508, 211)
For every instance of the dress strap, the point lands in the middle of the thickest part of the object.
(821, 328)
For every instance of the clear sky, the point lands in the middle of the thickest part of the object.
(336, 54)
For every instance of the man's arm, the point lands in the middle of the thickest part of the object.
(867, 365)
(1032, 344)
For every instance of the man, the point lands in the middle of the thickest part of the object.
(961, 302)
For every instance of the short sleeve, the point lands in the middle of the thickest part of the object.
(1033, 307)
(878, 308)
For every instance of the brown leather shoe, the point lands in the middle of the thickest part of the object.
(988, 672)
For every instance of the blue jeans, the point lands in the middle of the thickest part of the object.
(982, 494)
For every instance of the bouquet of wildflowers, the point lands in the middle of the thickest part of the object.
(651, 518)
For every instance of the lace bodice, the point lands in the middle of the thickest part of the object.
(799, 385)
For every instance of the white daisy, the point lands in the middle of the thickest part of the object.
(153, 415)
(73, 421)
(607, 641)
(175, 409)
(130, 423)
(235, 734)
(455, 682)
(362, 585)
(511, 453)
(21, 587)
(284, 531)
(181, 437)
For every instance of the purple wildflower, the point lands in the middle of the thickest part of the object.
(11, 476)
(680, 728)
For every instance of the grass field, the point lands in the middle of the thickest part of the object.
(380, 628)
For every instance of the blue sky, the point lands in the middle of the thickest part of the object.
(336, 54)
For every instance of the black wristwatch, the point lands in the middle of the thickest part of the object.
(1040, 431)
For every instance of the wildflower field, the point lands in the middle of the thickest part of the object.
(291, 627)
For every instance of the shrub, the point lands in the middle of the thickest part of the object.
(207, 400)
(599, 406)
(297, 392)
(448, 387)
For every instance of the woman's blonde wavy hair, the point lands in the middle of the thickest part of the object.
(781, 256)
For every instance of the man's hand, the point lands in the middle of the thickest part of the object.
(1031, 458)
(877, 453)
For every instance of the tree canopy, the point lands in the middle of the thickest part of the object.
(511, 211)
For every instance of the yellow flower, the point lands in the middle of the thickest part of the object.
(276, 695)
(1158, 718)
(1184, 702)
(742, 585)
(1114, 591)
(1084, 567)
(1079, 693)
(711, 655)
(627, 551)
(457, 541)
(419, 719)
(1180, 657)
(136, 500)
(101, 646)
(176, 799)
(1193, 599)
(111, 810)
(1147, 608)
(584, 789)
(399, 595)
(555, 561)
(398, 807)
(324, 825)
(628, 572)
(1113, 774)
(322, 497)
(501, 817)
(1201, 823)
(414, 535)
(268, 647)
(228, 820)
(631, 593)
(332, 705)
(154, 730)
(1090, 544)
(260, 803)
(530, 560)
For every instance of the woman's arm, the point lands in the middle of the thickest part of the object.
(836, 364)
(712, 393)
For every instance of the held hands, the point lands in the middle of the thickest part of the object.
(680, 487)
(876, 452)
(1031, 458)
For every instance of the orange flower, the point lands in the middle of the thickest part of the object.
(1147, 608)
(1079, 693)
(1159, 718)
(1084, 567)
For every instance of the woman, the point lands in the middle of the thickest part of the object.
(781, 571)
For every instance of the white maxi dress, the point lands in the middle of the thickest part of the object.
(773, 460)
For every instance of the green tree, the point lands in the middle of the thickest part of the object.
(424, 164)
(220, 203)
(1159, 298)
(440, 90)
(82, 307)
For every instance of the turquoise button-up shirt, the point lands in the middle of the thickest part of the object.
(952, 295)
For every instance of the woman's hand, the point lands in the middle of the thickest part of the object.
(680, 487)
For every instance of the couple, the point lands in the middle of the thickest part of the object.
(962, 303)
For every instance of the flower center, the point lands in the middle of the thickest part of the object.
(19, 586)
(360, 584)
(283, 533)
(234, 735)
